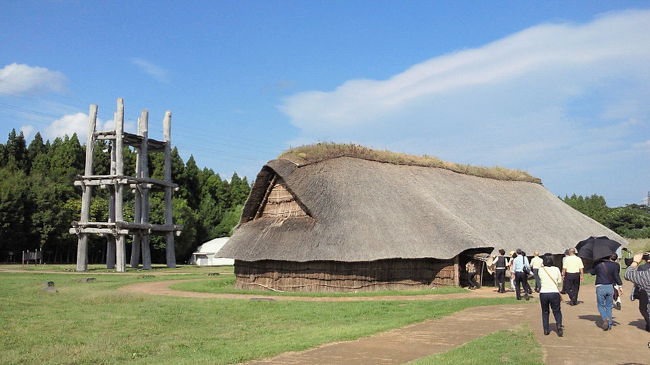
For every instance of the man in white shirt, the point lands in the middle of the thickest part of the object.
(572, 274)
(535, 264)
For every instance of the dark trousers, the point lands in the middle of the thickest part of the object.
(644, 309)
(572, 286)
(521, 278)
(552, 301)
(471, 280)
(501, 279)
(538, 284)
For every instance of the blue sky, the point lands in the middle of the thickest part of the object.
(558, 88)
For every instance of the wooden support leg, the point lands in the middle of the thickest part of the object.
(146, 253)
(82, 252)
(135, 251)
(120, 253)
(110, 251)
(170, 251)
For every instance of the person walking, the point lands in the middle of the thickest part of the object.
(566, 253)
(535, 263)
(512, 255)
(607, 275)
(500, 266)
(549, 294)
(572, 275)
(521, 268)
(471, 268)
(640, 276)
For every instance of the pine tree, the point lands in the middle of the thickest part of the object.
(16, 151)
(239, 190)
(15, 209)
(190, 190)
(36, 148)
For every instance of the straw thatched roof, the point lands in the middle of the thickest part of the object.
(304, 155)
(361, 210)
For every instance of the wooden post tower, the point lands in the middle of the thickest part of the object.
(116, 229)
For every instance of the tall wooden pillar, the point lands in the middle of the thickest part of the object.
(116, 229)
(82, 246)
(137, 193)
(457, 270)
(110, 238)
(120, 247)
(169, 220)
(144, 173)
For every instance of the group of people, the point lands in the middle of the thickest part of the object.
(549, 278)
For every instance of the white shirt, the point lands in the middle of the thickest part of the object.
(536, 262)
(550, 278)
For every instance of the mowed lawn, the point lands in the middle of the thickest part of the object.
(94, 323)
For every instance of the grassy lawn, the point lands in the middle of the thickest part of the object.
(224, 284)
(517, 347)
(92, 323)
(97, 268)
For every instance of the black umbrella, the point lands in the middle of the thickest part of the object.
(594, 248)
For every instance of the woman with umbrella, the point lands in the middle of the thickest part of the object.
(602, 251)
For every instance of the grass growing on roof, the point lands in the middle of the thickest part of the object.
(323, 151)
(93, 323)
(225, 284)
(516, 346)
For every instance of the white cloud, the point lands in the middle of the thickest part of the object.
(152, 70)
(27, 130)
(19, 79)
(78, 123)
(547, 97)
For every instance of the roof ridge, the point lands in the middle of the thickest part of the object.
(319, 152)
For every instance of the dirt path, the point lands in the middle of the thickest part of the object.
(583, 343)
(411, 342)
(586, 343)
(162, 288)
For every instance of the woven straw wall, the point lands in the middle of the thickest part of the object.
(281, 204)
(332, 276)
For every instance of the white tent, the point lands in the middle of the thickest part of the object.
(205, 254)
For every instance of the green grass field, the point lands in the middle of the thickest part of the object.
(510, 347)
(94, 323)
(97, 268)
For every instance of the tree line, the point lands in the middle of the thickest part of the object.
(38, 200)
(630, 221)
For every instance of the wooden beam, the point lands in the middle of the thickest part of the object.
(94, 230)
(130, 225)
(119, 179)
(133, 140)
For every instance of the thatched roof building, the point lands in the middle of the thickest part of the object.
(352, 223)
